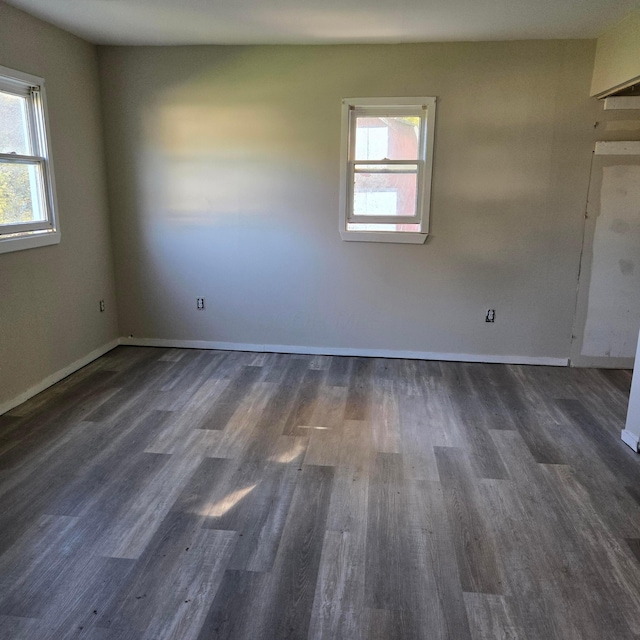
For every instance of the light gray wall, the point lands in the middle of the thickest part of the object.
(49, 315)
(223, 166)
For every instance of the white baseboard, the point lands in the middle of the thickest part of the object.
(631, 439)
(601, 362)
(57, 376)
(341, 351)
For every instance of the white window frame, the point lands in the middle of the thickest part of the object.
(45, 232)
(425, 107)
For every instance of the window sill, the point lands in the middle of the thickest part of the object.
(397, 237)
(19, 243)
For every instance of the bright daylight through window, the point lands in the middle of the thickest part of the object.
(27, 197)
(387, 155)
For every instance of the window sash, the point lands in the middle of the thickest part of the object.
(35, 117)
(16, 158)
(397, 219)
(46, 224)
(381, 168)
(388, 112)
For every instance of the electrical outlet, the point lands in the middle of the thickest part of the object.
(101, 306)
(491, 315)
(200, 304)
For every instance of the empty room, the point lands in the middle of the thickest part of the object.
(318, 320)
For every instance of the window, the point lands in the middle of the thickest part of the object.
(27, 196)
(387, 155)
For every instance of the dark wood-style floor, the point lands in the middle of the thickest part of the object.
(184, 494)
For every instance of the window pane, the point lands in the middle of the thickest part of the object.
(385, 194)
(375, 203)
(14, 128)
(20, 193)
(394, 138)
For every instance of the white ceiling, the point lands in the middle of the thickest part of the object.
(174, 22)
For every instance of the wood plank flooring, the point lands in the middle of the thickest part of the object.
(175, 494)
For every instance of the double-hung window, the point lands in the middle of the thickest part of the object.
(387, 157)
(27, 195)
